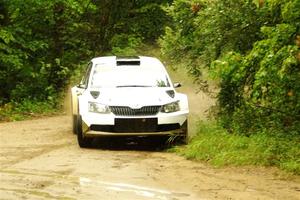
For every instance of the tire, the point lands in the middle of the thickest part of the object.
(83, 142)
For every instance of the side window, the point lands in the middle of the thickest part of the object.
(85, 79)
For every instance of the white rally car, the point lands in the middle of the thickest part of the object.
(127, 96)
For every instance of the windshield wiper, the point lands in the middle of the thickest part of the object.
(120, 86)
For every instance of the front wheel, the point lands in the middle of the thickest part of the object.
(182, 138)
(83, 142)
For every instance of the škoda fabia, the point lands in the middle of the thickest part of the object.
(127, 96)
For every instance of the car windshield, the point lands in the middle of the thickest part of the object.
(128, 76)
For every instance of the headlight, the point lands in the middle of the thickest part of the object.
(98, 108)
(171, 107)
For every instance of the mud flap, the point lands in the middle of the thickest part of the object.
(83, 142)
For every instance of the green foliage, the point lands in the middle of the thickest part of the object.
(126, 45)
(43, 43)
(27, 109)
(149, 19)
(261, 89)
(216, 146)
(33, 41)
(145, 19)
(252, 48)
(206, 29)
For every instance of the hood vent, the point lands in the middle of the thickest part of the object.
(171, 93)
(95, 94)
(134, 60)
(128, 62)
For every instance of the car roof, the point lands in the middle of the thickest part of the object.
(138, 61)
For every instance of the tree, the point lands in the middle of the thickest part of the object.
(42, 42)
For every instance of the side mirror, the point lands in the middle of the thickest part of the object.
(81, 84)
(177, 85)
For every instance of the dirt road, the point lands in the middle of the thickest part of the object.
(40, 159)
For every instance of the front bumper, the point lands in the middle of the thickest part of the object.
(111, 125)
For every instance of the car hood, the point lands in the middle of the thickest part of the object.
(133, 97)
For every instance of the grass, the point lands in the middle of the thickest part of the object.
(215, 145)
(27, 109)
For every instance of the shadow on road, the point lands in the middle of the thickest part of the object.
(131, 143)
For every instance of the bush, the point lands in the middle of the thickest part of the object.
(261, 89)
(207, 29)
(251, 49)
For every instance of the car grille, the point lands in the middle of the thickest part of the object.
(127, 111)
(135, 125)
